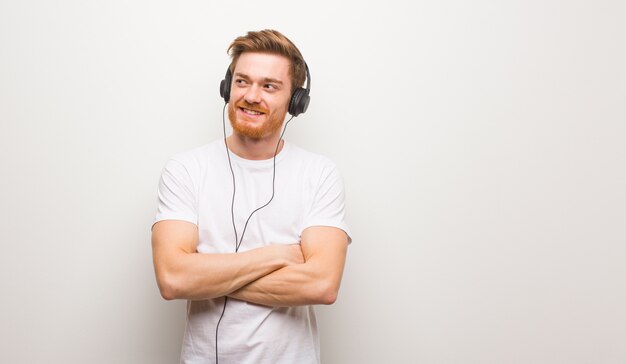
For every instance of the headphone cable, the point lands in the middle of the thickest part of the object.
(232, 207)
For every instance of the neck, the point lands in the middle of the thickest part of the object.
(254, 149)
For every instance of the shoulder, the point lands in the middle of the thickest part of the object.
(312, 165)
(312, 159)
(192, 164)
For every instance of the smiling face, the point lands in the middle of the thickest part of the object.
(259, 95)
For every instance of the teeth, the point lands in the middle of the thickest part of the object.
(251, 112)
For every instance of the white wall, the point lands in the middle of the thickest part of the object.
(481, 142)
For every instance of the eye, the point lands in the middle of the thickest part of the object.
(271, 86)
(240, 81)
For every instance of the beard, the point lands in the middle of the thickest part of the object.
(272, 123)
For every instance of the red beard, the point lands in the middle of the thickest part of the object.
(271, 124)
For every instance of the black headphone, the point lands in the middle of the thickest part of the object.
(299, 98)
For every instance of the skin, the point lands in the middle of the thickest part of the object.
(304, 273)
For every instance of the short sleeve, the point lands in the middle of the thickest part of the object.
(176, 197)
(328, 207)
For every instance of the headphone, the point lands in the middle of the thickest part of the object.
(299, 98)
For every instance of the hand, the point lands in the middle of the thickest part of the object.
(291, 253)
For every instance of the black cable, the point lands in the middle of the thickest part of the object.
(232, 208)
(232, 203)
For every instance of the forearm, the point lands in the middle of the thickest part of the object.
(316, 281)
(204, 276)
(294, 285)
(183, 273)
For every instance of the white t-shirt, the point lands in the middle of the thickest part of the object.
(197, 186)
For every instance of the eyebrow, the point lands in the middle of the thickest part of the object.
(265, 79)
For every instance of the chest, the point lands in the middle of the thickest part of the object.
(266, 209)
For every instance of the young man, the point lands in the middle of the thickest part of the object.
(251, 277)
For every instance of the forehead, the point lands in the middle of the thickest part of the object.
(263, 65)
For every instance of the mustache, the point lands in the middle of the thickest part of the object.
(246, 105)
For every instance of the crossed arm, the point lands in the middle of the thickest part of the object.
(275, 275)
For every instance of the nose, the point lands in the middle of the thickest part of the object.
(253, 94)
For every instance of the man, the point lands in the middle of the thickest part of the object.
(251, 275)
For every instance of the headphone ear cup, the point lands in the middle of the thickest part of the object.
(299, 101)
(225, 86)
